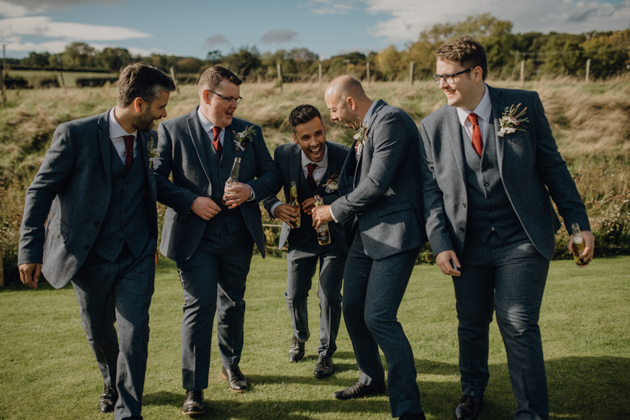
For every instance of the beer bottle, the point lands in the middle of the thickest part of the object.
(323, 232)
(578, 245)
(295, 204)
(233, 179)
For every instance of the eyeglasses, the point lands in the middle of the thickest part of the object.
(230, 100)
(449, 78)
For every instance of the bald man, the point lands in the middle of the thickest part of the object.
(380, 206)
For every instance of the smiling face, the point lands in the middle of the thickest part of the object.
(311, 137)
(221, 111)
(151, 112)
(341, 109)
(467, 88)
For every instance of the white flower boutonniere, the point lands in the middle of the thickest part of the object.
(332, 184)
(511, 121)
(360, 137)
(152, 152)
(241, 138)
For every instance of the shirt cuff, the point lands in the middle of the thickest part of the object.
(333, 215)
(273, 209)
(252, 195)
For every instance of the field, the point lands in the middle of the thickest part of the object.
(37, 77)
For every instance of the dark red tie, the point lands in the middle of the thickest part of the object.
(476, 134)
(129, 146)
(216, 142)
(309, 177)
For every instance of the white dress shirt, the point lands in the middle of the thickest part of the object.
(208, 126)
(483, 111)
(117, 133)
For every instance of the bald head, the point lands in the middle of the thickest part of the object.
(347, 101)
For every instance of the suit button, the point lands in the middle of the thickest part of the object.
(464, 205)
(486, 184)
(87, 247)
(462, 229)
(492, 230)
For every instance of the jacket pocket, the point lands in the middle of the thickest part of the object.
(393, 208)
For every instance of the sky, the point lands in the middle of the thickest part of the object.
(325, 27)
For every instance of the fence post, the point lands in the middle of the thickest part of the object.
(280, 75)
(174, 79)
(1, 267)
(4, 96)
(411, 67)
(588, 70)
(320, 73)
(368, 72)
(522, 72)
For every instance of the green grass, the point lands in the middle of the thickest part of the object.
(47, 370)
(35, 77)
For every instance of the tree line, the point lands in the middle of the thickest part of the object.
(552, 54)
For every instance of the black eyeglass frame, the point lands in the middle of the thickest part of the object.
(437, 77)
(237, 100)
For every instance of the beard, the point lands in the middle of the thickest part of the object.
(143, 122)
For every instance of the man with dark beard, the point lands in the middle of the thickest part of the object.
(97, 190)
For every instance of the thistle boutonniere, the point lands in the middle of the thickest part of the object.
(511, 121)
(240, 139)
(152, 152)
(360, 137)
(332, 184)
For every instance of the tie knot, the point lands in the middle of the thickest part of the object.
(311, 168)
(472, 117)
(129, 141)
(216, 131)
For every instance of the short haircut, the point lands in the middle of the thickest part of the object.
(303, 114)
(211, 78)
(465, 51)
(140, 80)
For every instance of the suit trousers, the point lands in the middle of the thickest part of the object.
(507, 278)
(372, 293)
(213, 279)
(118, 292)
(301, 265)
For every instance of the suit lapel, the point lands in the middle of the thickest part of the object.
(105, 143)
(199, 140)
(497, 107)
(295, 165)
(456, 139)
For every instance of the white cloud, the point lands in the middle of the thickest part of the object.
(409, 17)
(12, 10)
(331, 7)
(52, 47)
(44, 26)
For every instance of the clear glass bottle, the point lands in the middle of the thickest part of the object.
(233, 179)
(293, 196)
(578, 245)
(323, 232)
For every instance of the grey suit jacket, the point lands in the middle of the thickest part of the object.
(288, 158)
(182, 149)
(74, 186)
(382, 195)
(531, 170)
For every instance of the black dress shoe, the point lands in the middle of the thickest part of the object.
(236, 379)
(323, 367)
(359, 390)
(413, 416)
(468, 408)
(194, 403)
(296, 351)
(108, 399)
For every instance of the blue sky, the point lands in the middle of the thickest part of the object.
(326, 27)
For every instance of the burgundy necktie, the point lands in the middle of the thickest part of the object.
(129, 146)
(309, 177)
(216, 142)
(476, 134)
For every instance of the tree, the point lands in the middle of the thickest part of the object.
(388, 63)
(36, 60)
(245, 61)
(188, 65)
(113, 59)
(78, 55)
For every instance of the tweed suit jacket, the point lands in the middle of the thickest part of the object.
(182, 149)
(73, 190)
(381, 195)
(531, 169)
(288, 158)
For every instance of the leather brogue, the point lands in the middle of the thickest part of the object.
(108, 399)
(194, 403)
(296, 351)
(323, 367)
(359, 390)
(413, 416)
(468, 408)
(236, 379)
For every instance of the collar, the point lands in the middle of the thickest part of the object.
(115, 129)
(206, 123)
(321, 164)
(368, 115)
(483, 109)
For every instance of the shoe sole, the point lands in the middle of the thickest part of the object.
(296, 360)
(232, 389)
(353, 397)
(193, 413)
(320, 376)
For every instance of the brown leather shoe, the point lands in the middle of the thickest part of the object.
(236, 379)
(468, 408)
(194, 403)
(359, 390)
(296, 351)
(108, 399)
(324, 367)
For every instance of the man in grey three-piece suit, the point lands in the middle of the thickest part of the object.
(97, 190)
(380, 202)
(487, 182)
(211, 242)
(313, 164)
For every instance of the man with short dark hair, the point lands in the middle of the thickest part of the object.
(97, 191)
(212, 241)
(313, 165)
(490, 165)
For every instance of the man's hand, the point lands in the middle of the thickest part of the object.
(448, 263)
(205, 208)
(589, 245)
(157, 256)
(321, 214)
(30, 273)
(287, 213)
(308, 205)
(237, 195)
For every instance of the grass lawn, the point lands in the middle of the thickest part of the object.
(47, 370)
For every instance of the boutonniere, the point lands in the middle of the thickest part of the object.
(152, 152)
(511, 121)
(332, 184)
(360, 137)
(240, 139)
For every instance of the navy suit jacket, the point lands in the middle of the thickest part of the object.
(382, 195)
(74, 186)
(531, 169)
(182, 149)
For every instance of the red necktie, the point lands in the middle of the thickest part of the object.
(129, 146)
(309, 177)
(216, 142)
(476, 134)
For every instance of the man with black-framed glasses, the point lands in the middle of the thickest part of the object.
(490, 166)
(212, 241)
